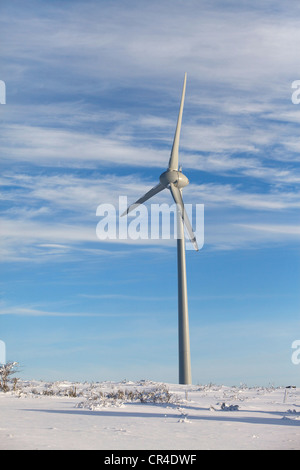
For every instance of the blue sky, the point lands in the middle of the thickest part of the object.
(92, 96)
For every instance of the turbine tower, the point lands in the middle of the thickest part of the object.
(175, 180)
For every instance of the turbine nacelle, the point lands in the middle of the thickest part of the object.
(175, 177)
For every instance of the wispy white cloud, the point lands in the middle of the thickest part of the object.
(222, 149)
(240, 46)
(228, 195)
(52, 147)
(286, 230)
(28, 311)
(38, 230)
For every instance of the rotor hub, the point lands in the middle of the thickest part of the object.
(173, 176)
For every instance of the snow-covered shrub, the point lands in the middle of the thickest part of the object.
(158, 394)
(6, 371)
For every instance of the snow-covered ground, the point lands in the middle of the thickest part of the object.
(148, 415)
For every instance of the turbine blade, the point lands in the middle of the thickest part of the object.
(176, 193)
(144, 198)
(173, 162)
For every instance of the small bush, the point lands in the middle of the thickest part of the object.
(6, 371)
(72, 392)
(159, 394)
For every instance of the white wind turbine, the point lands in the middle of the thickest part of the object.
(175, 180)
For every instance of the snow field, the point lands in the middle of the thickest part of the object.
(147, 415)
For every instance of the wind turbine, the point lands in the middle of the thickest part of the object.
(175, 180)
